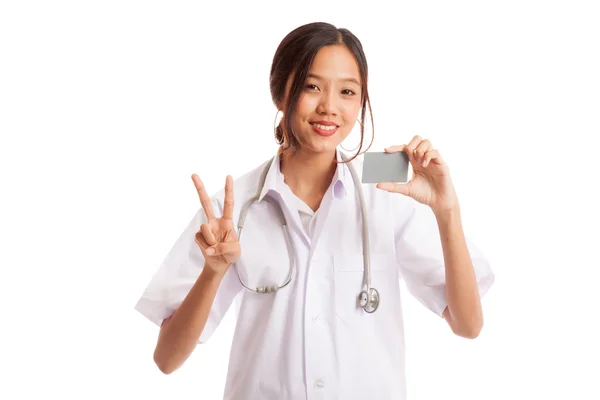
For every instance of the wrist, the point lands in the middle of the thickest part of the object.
(447, 215)
(211, 275)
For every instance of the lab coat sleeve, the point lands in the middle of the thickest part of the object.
(421, 260)
(177, 274)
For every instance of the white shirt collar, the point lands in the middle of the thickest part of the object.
(275, 180)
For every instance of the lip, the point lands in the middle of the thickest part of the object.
(322, 132)
(325, 123)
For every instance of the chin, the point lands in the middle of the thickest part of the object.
(329, 148)
(315, 143)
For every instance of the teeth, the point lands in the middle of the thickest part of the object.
(325, 128)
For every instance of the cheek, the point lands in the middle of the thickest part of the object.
(351, 111)
(304, 110)
(306, 105)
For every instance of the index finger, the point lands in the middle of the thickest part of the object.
(394, 149)
(204, 199)
(228, 206)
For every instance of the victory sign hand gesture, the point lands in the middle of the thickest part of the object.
(217, 237)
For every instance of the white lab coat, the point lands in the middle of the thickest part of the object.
(309, 340)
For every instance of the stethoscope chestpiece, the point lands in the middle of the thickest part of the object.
(369, 301)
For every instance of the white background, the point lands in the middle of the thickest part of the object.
(107, 108)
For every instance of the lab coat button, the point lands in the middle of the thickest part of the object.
(316, 319)
(318, 384)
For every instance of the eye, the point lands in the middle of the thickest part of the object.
(311, 86)
(351, 92)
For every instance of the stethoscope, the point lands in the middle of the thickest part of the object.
(368, 298)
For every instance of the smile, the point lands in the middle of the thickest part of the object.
(324, 127)
(324, 130)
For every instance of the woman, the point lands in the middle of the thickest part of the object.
(307, 333)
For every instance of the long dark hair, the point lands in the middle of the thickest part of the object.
(295, 54)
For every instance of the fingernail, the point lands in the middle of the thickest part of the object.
(210, 251)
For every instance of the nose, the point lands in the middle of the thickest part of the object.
(327, 103)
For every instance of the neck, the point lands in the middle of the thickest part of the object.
(308, 174)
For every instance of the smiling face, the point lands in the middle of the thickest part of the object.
(330, 101)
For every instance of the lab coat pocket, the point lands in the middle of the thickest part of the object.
(348, 270)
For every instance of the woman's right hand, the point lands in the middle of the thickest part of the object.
(217, 237)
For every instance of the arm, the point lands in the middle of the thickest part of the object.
(463, 313)
(200, 297)
(180, 333)
(432, 186)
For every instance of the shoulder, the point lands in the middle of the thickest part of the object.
(244, 187)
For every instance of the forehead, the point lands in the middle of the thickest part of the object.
(335, 62)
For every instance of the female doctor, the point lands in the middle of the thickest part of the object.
(314, 256)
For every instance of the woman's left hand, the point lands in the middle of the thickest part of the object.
(430, 184)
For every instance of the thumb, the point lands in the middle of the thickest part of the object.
(401, 188)
(222, 248)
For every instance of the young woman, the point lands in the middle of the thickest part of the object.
(317, 265)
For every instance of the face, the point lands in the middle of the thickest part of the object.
(329, 104)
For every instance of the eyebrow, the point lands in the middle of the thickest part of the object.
(343, 79)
